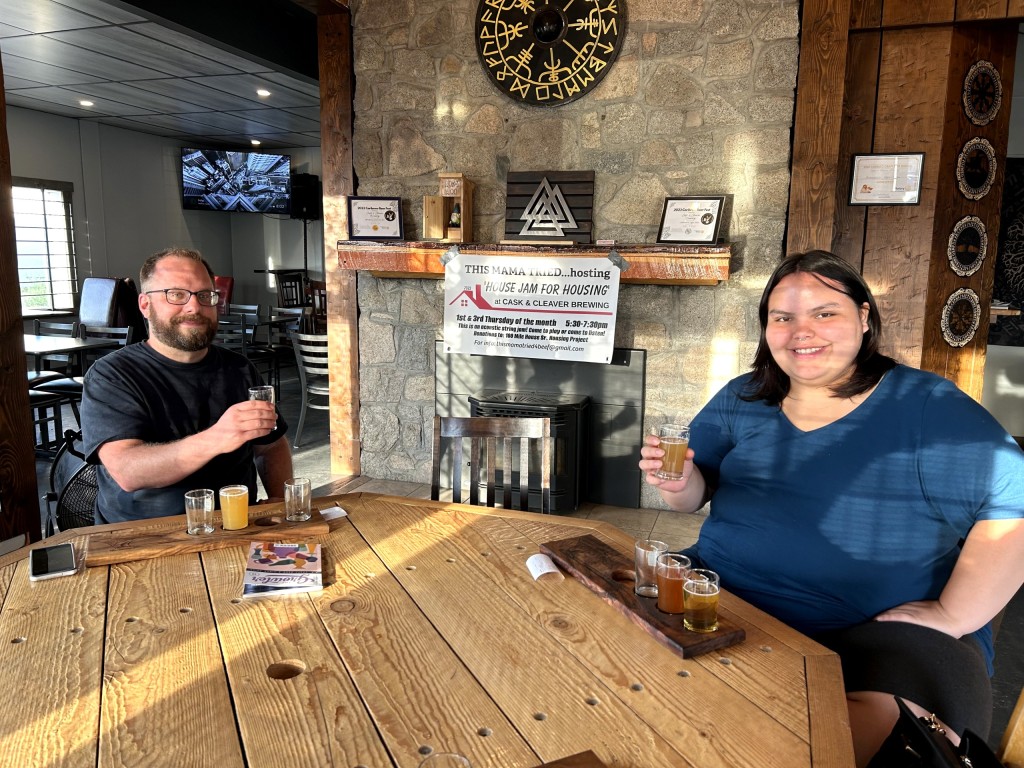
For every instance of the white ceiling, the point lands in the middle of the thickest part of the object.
(151, 76)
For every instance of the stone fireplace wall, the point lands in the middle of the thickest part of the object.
(700, 101)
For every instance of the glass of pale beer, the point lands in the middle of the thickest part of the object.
(674, 440)
(700, 600)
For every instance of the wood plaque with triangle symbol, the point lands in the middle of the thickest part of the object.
(549, 207)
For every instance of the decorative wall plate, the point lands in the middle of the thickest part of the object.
(548, 53)
(983, 92)
(961, 317)
(976, 168)
(967, 246)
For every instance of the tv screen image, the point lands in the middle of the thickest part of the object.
(218, 180)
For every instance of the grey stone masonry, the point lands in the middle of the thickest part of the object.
(699, 102)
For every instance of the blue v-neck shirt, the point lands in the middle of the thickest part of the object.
(828, 528)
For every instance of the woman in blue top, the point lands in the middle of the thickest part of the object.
(870, 505)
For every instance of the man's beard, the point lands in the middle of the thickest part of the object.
(191, 340)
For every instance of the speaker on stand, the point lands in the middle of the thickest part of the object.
(307, 201)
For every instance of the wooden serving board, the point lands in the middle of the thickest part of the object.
(121, 546)
(581, 760)
(609, 573)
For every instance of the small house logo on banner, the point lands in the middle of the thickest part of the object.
(551, 308)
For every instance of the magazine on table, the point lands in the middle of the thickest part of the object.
(282, 569)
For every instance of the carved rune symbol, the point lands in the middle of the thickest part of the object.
(548, 214)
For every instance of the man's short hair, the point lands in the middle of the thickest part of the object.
(149, 265)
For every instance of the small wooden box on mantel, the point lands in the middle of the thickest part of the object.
(456, 197)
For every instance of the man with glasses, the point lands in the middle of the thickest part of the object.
(172, 414)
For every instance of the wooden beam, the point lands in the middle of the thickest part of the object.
(816, 129)
(334, 35)
(19, 503)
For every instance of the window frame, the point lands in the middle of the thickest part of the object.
(68, 299)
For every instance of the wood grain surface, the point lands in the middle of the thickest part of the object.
(600, 568)
(126, 544)
(430, 635)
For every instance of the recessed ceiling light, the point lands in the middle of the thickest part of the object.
(262, 93)
(254, 142)
(85, 103)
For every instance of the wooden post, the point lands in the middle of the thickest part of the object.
(19, 505)
(334, 32)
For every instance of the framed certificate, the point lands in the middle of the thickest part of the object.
(886, 179)
(375, 218)
(691, 220)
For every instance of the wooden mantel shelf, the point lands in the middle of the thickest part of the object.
(657, 264)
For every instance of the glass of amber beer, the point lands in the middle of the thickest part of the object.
(674, 440)
(700, 600)
(671, 570)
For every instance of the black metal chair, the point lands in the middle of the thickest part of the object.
(291, 289)
(485, 435)
(311, 360)
(70, 388)
(71, 498)
(62, 363)
(235, 332)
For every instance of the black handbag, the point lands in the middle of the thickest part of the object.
(919, 742)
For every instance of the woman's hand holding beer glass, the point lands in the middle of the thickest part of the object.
(667, 458)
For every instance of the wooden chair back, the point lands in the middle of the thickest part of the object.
(291, 289)
(485, 435)
(318, 298)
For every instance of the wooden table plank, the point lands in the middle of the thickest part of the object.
(285, 673)
(701, 704)
(420, 693)
(559, 706)
(831, 741)
(747, 667)
(165, 694)
(51, 650)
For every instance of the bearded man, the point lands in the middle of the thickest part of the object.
(172, 414)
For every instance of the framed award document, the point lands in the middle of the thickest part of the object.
(375, 218)
(691, 220)
(886, 179)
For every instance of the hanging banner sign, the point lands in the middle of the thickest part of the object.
(551, 308)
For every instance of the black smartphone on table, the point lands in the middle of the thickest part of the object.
(51, 562)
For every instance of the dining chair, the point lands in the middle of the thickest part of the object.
(496, 444)
(235, 332)
(71, 497)
(46, 411)
(225, 286)
(312, 361)
(318, 298)
(70, 388)
(291, 289)
(62, 362)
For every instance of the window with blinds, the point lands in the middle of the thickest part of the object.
(45, 241)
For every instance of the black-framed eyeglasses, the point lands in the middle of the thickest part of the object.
(180, 296)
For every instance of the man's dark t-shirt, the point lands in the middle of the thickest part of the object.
(136, 393)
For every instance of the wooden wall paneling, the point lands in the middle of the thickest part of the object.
(819, 114)
(334, 33)
(995, 42)
(905, 12)
(1015, 9)
(865, 14)
(898, 239)
(855, 138)
(972, 10)
(19, 503)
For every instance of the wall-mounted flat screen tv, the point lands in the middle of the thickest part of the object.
(218, 180)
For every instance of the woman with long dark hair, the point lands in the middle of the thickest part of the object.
(868, 504)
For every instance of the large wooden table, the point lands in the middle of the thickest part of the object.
(431, 635)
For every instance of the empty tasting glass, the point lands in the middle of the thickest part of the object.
(297, 497)
(199, 511)
(646, 553)
(262, 393)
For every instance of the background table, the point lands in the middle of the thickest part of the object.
(431, 635)
(58, 345)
